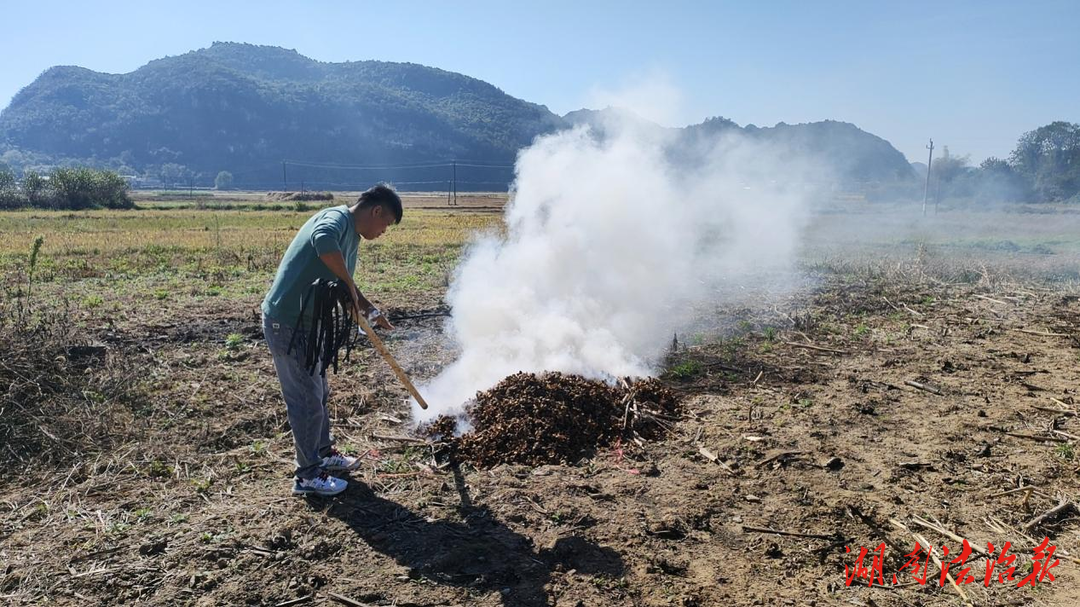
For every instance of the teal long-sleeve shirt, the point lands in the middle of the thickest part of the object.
(329, 230)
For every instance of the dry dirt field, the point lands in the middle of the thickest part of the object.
(148, 454)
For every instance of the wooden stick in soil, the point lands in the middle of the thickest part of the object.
(906, 307)
(400, 474)
(816, 536)
(992, 299)
(1066, 434)
(938, 527)
(1042, 333)
(1054, 512)
(929, 550)
(296, 601)
(816, 348)
(724, 366)
(926, 387)
(389, 358)
(998, 526)
(712, 457)
(1041, 439)
(344, 600)
(1061, 402)
(1028, 488)
(893, 306)
(777, 456)
(404, 439)
(1065, 412)
(942, 568)
(871, 523)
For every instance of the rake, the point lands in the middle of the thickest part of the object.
(365, 328)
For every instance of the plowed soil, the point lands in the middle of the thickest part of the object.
(864, 411)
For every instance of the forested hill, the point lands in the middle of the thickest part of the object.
(244, 108)
(853, 155)
(233, 106)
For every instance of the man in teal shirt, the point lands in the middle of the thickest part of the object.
(325, 247)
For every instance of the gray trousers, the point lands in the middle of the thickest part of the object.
(305, 399)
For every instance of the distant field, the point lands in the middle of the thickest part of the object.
(175, 252)
(1040, 244)
(107, 232)
(229, 244)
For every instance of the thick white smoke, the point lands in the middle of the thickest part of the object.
(612, 240)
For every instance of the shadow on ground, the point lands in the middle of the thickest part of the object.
(479, 552)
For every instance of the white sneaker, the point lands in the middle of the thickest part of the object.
(339, 462)
(324, 485)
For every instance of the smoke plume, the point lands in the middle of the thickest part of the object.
(614, 236)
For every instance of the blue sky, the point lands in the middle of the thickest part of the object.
(973, 75)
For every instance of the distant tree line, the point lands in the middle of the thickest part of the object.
(64, 188)
(1044, 167)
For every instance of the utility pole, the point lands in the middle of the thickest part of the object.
(926, 191)
(937, 194)
(455, 182)
(285, 178)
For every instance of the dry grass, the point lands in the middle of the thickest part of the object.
(105, 233)
(180, 256)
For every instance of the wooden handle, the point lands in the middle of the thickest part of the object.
(396, 368)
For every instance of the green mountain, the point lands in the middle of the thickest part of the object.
(244, 108)
(855, 156)
(238, 106)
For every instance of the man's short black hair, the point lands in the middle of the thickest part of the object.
(384, 196)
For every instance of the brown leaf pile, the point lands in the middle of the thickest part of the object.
(557, 418)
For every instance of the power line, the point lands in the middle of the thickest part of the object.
(429, 175)
(357, 167)
(425, 165)
(485, 166)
